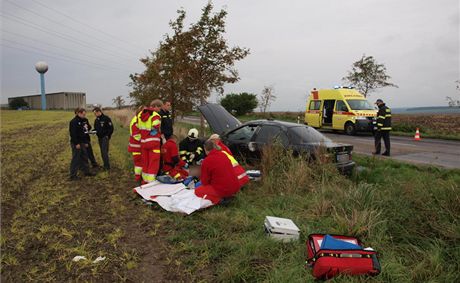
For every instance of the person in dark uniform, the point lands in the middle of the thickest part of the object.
(89, 150)
(191, 148)
(104, 130)
(383, 120)
(79, 143)
(166, 120)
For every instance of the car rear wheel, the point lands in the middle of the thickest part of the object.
(350, 129)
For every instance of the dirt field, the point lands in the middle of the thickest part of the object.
(47, 220)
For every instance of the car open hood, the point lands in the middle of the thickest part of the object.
(218, 118)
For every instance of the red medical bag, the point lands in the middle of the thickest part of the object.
(327, 263)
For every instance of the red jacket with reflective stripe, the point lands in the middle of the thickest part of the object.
(224, 147)
(148, 121)
(170, 155)
(134, 136)
(239, 171)
(217, 171)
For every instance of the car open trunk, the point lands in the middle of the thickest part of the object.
(218, 118)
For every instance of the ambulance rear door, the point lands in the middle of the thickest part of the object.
(313, 114)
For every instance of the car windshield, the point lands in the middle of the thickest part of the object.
(359, 104)
(304, 134)
(243, 134)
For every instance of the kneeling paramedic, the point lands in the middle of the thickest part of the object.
(239, 171)
(218, 179)
(172, 164)
(149, 124)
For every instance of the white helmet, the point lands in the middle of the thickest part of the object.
(193, 133)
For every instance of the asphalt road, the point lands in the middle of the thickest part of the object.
(443, 153)
(436, 152)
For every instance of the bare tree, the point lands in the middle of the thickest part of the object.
(451, 101)
(118, 101)
(266, 98)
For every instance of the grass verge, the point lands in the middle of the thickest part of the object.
(406, 212)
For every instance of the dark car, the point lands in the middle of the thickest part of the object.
(247, 140)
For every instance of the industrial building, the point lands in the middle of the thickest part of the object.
(56, 100)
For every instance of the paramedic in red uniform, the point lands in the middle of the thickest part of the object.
(134, 145)
(217, 141)
(218, 179)
(149, 124)
(172, 164)
(239, 171)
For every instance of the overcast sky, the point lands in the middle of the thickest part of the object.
(93, 46)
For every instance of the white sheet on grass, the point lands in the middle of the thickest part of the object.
(173, 197)
(158, 189)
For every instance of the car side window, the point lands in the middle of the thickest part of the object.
(269, 134)
(315, 105)
(341, 106)
(243, 134)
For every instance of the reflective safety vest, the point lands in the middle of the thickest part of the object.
(237, 169)
(384, 118)
(134, 136)
(149, 123)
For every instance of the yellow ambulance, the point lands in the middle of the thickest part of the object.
(341, 108)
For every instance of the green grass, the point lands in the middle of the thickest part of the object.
(407, 213)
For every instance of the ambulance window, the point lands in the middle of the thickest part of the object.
(315, 105)
(340, 106)
(359, 104)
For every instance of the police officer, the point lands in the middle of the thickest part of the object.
(166, 120)
(89, 149)
(383, 120)
(79, 143)
(104, 130)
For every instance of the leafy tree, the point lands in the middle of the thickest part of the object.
(17, 103)
(266, 98)
(189, 64)
(239, 104)
(367, 75)
(118, 101)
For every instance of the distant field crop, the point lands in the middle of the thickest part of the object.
(445, 126)
(430, 125)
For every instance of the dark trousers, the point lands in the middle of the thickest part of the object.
(378, 141)
(104, 146)
(79, 160)
(91, 157)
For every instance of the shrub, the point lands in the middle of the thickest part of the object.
(17, 103)
(239, 104)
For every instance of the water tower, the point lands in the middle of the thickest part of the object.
(42, 67)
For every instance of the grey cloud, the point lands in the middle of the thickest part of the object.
(295, 45)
